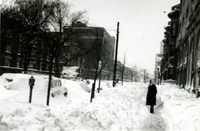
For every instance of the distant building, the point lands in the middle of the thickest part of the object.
(91, 39)
(161, 47)
(157, 72)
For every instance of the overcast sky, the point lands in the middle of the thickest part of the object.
(141, 27)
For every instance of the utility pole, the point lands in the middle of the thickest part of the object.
(0, 46)
(116, 51)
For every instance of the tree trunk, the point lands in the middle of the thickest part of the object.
(28, 51)
(50, 77)
(93, 87)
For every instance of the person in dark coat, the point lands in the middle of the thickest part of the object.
(151, 96)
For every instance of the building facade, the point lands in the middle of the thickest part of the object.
(168, 66)
(98, 45)
(182, 46)
(13, 57)
(189, 42)
(157, 72)
(80, 50)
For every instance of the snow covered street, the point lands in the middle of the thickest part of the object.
(119, 108)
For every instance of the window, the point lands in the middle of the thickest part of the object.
(47, 67)
(33, 53)
(187, 11)
(174, 28)
(18, 62)
(30, 66)
(192, 47)
(7, 61)
(19, 50)
(199, 82)
(67, 55)
(179, 29)
(53, 67)
(48, 58)
(41, 57)
(35, 44)
(198, 49)
(41, 65)
(192, 3)
(8, 48)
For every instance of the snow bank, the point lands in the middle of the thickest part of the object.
(181, 108)
(21, 81)
(3, 91)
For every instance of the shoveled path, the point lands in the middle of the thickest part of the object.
(155, 121)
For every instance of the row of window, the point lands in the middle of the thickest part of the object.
(32, 65)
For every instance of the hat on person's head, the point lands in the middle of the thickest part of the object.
(150, 81)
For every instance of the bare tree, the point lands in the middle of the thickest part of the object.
(38, 18)
(35, 16)
(73, 50)
(98, 55)
(135, 74)
(56, 40)
(123, 68)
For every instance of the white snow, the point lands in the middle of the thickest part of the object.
(120, 108)
(70, 72)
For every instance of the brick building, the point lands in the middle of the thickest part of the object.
(189, 42)
(12, 59)
(13, 56)
(92, 38)
(168, 66)
(181, 58)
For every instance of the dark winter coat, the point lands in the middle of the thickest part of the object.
(151, 95)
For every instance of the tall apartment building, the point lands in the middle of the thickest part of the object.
(188, 43)
(182, 46)
(168, 66)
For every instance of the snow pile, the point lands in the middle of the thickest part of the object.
(113, 109)
(21, 81)
(119, 108)
(85, 87)
(181, 108)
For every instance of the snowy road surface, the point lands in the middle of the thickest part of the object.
(120, 108)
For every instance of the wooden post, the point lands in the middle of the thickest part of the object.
(116, 51)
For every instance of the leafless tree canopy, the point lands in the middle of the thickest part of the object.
(30, 21)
